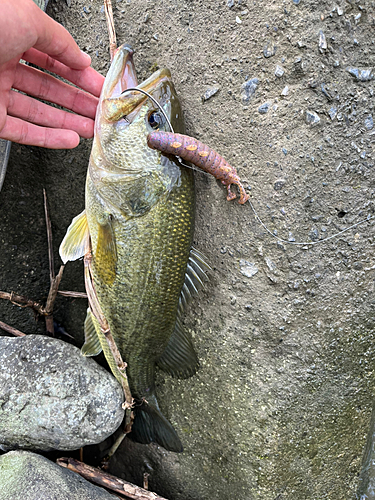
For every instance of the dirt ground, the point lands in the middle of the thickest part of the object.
(285, 334)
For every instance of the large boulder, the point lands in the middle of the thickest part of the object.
(51, 397)
(28, 476)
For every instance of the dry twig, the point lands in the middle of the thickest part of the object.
(11, 330)
(75, 295)
(49, 238)
(113, 483)
(111, 27)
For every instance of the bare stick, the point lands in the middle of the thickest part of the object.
(22, 301)
(11, 330)
(108, 481)
(51, 300)
(145, 480)
(49, 238)
(111, 27)
(104, 327)
(75, 295)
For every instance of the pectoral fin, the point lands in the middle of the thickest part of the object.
(92, 346)
(76, 241)
(106, 253)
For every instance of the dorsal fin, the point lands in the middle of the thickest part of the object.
(92, 346)
(76, 241)
(179, 359)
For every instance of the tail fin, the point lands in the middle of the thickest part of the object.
(150, 425)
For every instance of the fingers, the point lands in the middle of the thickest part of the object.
(87, 79)
(46, 87)
(55, 41)
(33, 111)
(17, 130)
(24, 25)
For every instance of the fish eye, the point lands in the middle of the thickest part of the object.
(155, 119)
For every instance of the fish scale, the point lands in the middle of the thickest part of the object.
(151, 270)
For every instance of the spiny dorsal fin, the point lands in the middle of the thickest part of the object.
(106, 254)
(179, 359)
(194, 278)
(76, 241)
(92, 346)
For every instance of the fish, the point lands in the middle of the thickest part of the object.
(138, 222)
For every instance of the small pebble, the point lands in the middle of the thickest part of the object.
(269, 49)
(279, 184)
(363, 75)
(248, 269)
(248, 89)
(332, 112)
(238, 20)
(263, 109)
(285, 90)
(209, 93)
(339, 11)
(312, 118)
(322, 41)
(296, 2)
(369, 122)
(285, 151)
(279, 71)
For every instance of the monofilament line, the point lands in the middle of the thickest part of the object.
(304, 243)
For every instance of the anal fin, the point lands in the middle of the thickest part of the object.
(179, 358)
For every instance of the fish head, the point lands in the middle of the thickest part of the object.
(125, 117)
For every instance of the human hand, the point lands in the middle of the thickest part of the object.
(27, 33)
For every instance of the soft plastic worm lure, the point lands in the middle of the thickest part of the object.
(200, 155)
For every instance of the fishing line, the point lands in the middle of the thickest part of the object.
(297, 243)
(304, 243)
(135, 89)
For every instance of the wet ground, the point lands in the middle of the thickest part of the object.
(281, 406)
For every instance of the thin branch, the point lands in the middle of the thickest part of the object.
(22, 301)
(105, 329)
(75, 295)
(49, 238)
(111, 27)
(11, 330)
(113, 483)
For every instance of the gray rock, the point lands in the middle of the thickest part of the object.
(312, 118)
(248, 89)
(279, 184)
(263, 108)
(363, 75)
(28, 476)
(209, 93)
(269, 49)
(332, 112)
(369, 122)
(51, 397)
(248, 269)
(322, 41)
(279, 71)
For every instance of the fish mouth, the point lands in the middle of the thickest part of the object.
(121, 75)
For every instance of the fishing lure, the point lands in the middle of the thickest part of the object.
(200, 155)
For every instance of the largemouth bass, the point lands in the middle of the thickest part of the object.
(139, 221)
